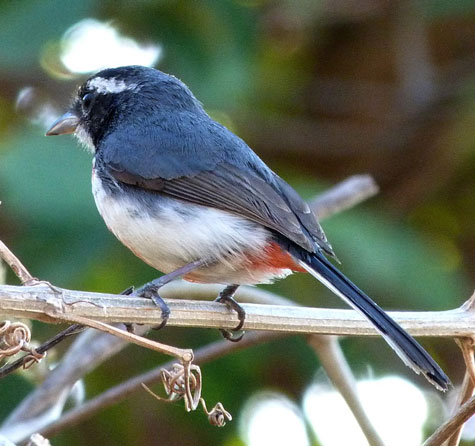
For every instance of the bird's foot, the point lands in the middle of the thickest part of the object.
(227, 297)
(150, 291)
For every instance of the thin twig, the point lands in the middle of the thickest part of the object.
(43, 348)
(113, 395)
(81, 358)
(93, 348)
(445, 431)
(186, 383)
(465, 393)
(42, 397)
(56, 311)
(468, 385)
(86, 353)
(50, 343)
(344, 195)
(14, 337)
(14, 263)
(466, 346)
(183, 354)
(335, 365)
(177, 289)
(127, 388)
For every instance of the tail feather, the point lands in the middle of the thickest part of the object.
(408, 349)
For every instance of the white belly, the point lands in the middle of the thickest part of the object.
(167, 234)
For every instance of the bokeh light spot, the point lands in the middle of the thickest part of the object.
(91, 45)
(390, 403)
(272, 419)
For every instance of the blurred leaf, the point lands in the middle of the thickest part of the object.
(436, 9)
(402, 267)
(45, 179)
(13, 389)
(191, 51)
(24, 30)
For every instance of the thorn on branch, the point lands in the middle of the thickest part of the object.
(184, 381)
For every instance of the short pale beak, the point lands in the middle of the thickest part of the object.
(64, 125)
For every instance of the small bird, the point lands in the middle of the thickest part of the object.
(192, 200)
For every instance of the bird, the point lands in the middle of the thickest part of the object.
(193, 200)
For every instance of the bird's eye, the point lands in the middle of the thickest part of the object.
(87, 100)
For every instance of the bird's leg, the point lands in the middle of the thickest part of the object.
(227, 297)
(150, 289)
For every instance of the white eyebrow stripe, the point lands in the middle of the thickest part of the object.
(103, 85)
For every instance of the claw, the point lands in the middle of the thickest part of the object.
(151, 292)
(128, 291)
(226, 297)
(230, 335)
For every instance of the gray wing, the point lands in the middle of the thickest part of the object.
(305, 215)
(246, 195)
(195, 159)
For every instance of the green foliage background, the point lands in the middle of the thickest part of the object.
(282, 75)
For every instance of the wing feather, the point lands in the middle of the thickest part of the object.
(197, 160)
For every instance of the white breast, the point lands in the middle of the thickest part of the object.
(168, 233)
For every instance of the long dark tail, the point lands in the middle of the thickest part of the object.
(413, 355)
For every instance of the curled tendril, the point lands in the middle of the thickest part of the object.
(218, 415)
(34, 357)
(184, 381)
(14, 337)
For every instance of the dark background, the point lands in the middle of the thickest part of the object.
(320, 90)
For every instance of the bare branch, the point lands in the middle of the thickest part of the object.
(465, 393)
(43, 348)
(93, 348)
(451, 426)
(467, 345)
(344, 195)
(183, 354)
(341, 197)
(14, 263)
(86, 353)
(127, 388)
(41, 303)
(337, 369)
(468, 385)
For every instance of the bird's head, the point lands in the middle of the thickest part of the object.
(124, 95)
